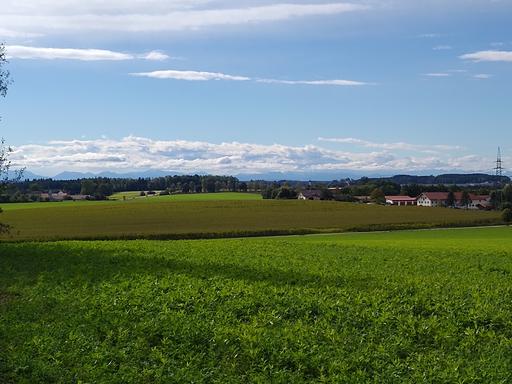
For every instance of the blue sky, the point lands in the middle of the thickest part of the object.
(259, 86)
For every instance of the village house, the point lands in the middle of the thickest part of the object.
(60, 196)
(50, 196)
(362, 199)
(310, 195)
(80, 197)
(400, 200)
(440, 199)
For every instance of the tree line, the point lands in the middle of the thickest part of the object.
(102, 187)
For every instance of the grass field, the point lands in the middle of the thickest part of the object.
(158, 218)
(220, 196)
(118, 197)
(416, 307)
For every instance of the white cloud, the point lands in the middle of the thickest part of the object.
(400, 146)
(429, 35)
(488, 56)
(442, 47)
(190, 75)
(206, 76)
(138, 153)
(437, 74)
(154, 56)
(9, 33)
(25, 52)
(152, 15)
(313, 82)
(482, 76)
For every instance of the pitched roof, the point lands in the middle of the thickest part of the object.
(401, 198)
(436, 195)
(442, 196)
(311, 193)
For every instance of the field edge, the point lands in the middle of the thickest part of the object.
(261, 233)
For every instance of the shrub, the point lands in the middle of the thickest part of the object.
(506, 215)
(377, 196)
(506, 205)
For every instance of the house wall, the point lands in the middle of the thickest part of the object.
(424, 202)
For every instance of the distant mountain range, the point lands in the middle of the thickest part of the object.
(68, 175)
(454, 178)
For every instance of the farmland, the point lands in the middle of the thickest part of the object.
(162, 218)
(219, 196)
(414, 306)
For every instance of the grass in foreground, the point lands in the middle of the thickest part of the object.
(162, 219)
(430, 306)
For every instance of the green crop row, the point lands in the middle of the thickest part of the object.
(164, 219)
(415, 306)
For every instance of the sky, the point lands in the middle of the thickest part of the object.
(325, 88)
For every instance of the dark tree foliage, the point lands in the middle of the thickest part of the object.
(4, 73)
(5, 163)
(378, 196)
(4, 171)
(101, 187)
(285, 193)
(465, 199)
(450, 179)
(450, 202)
(506, 215)
(506, 194)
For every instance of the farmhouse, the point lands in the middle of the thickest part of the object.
(312, 194)
(400, 200)
(59, 196)
(440, 199)
(432, 199)
(80, 197)
(50, 196)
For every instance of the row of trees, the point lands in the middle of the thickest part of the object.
(5, 164)
(4, 170)
(101, 187)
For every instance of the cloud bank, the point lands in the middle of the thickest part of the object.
(437, 74)
(52, 16)
(25, 52)
(182, 156)
(190, 75)
(401, 146)
(488, 56)
(206, 76)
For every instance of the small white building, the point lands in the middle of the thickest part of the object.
(310, 195)
(50, 196)
(400, 200)
(432, 199)
(440, 199)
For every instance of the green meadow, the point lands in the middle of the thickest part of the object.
(401, 307)
(224, 216)
(116, 197)
(220, 196)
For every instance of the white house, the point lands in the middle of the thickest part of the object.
(50, 196)
(432, 199)
(440, 199)
(310, 195)
(400, 200)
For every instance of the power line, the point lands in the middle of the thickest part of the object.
(499, 165)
